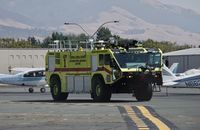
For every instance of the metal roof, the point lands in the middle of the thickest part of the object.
(190, 51)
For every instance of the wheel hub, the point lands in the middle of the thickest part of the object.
(55, 90)
(98, 90)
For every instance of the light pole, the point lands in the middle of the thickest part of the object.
(103, 25)
(91, 38)
(67, 23)
(79, 26)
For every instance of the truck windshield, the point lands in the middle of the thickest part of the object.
(132, 60)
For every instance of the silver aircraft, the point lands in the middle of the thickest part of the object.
(30, 77)
(188, 79)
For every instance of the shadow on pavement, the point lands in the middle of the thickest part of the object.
(75, 101)
(184, 94)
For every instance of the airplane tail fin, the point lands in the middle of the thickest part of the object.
(174, 68)
(167, 74)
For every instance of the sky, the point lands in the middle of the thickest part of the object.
(190, 4)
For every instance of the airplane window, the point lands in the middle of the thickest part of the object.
(35, 74)
(26, 75)
(43, 73)
(31, 74)
(39, 73)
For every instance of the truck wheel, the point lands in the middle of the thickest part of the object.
(100, 92)
(144, 92)
(55, 86)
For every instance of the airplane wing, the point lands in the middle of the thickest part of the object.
(19, 70)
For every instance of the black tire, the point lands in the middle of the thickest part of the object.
(31, 90)
(100, 91)
(55, 86)
(42, 90)
(144, 92)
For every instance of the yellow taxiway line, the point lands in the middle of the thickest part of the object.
(153, 119)
(140, 124)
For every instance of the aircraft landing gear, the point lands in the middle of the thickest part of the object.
(42, 90)
(30, 90)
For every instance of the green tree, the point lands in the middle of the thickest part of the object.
(63, 38)
(164, 45)
(46, 42)
(19, 43)
(33, 41)
(104, 34)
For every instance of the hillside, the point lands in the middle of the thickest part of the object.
(139, 19)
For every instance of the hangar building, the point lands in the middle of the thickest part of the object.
(29, 57)
(187, 59)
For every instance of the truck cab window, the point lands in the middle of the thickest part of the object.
(107, 59)
(101, 59)
(104, 59)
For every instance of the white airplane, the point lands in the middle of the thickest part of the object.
(188, 79)
(30, 77)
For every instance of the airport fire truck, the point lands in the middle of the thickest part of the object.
(102, 70)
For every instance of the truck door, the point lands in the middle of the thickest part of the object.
(51, 63)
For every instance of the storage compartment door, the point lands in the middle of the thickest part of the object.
(51, 63)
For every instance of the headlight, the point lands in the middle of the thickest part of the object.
(108, 78)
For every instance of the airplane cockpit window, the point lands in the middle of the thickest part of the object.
(26, 75)
(35, 74)
(39, 73)
(29, 74)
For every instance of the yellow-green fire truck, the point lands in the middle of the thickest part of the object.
(103, 70)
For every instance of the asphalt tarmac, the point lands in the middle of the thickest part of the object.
(20, 110)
